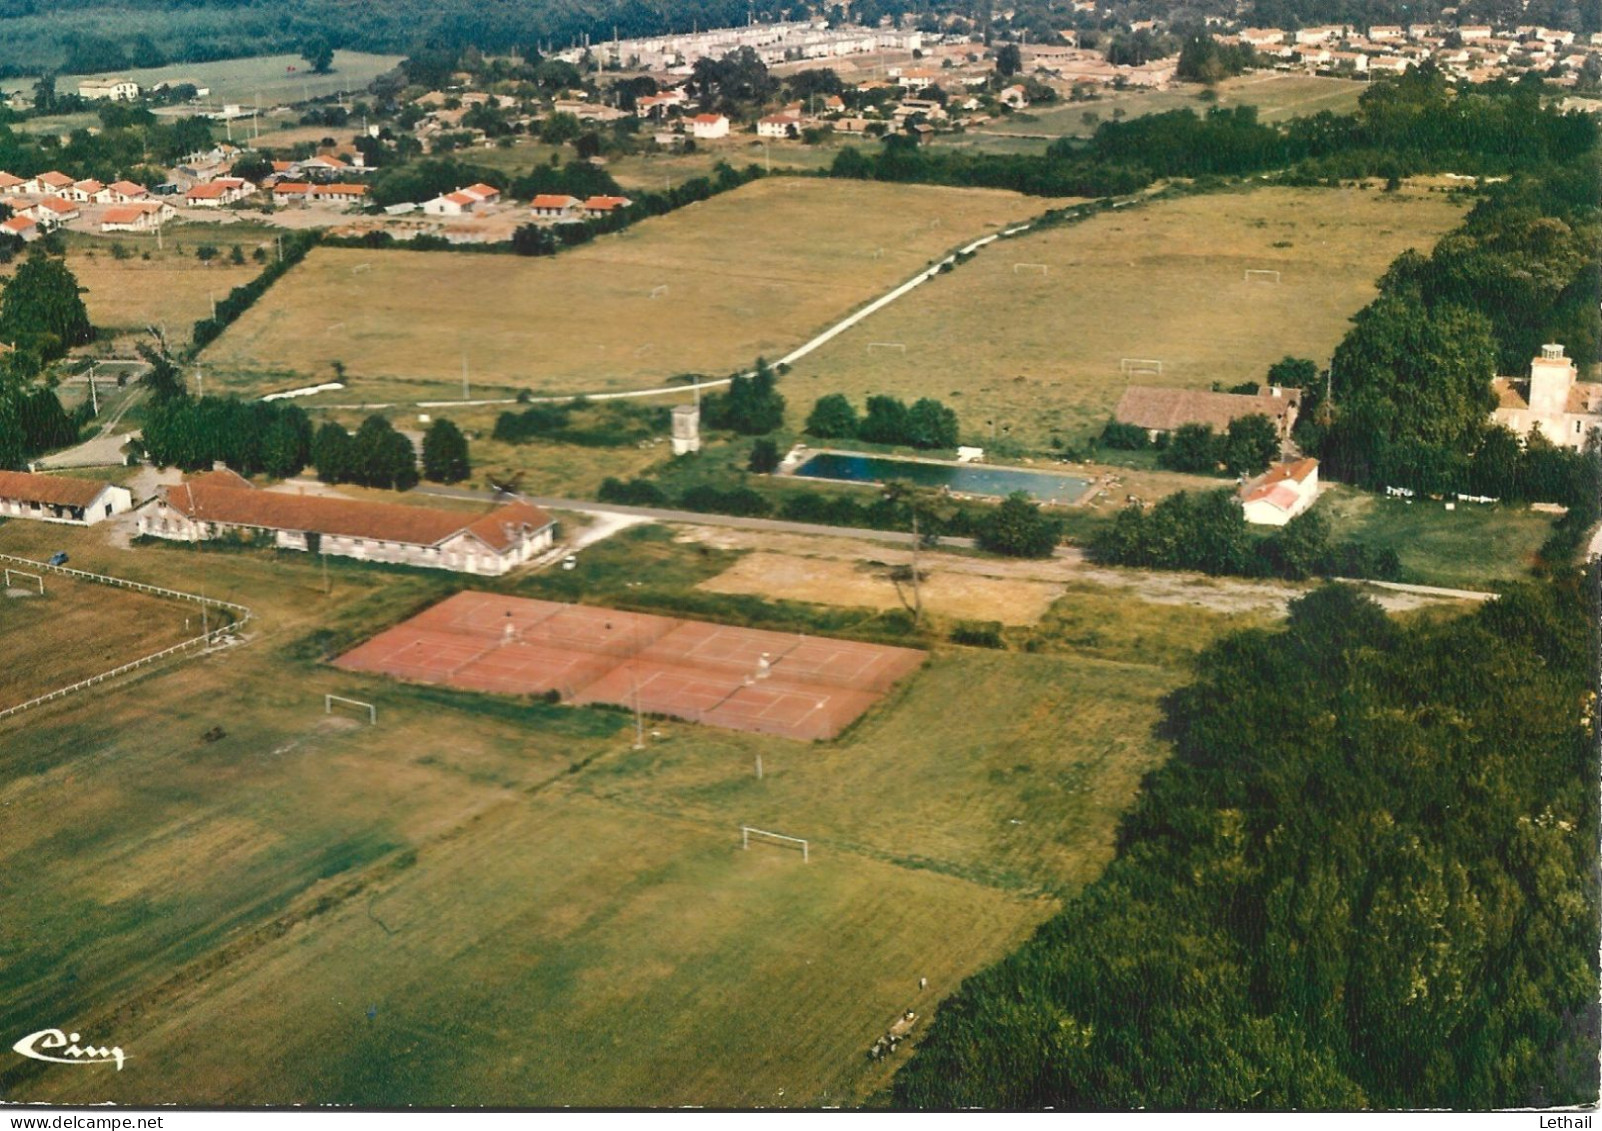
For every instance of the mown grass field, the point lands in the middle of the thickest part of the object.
(752, 272)
(1033, 356)
(481, 901)
(1469, 547)
(78, 629)
(267, 77)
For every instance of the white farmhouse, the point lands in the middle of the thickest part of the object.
(109, 90)
(1284, 492)
(709, 126)
(51, 498)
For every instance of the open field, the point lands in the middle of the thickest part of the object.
(173, 288)
(1039, 355)
(498, 901)
(79, 629)
(866, 583)
(1466, 548)
(752, 272)
(270, 78)
(1276, 97)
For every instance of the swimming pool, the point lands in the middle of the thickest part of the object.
(962, 478)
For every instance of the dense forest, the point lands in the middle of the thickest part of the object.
(1366, 878)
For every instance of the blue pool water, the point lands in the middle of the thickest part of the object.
(962, 478)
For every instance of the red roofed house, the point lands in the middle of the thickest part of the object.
(50, 211)
(292, 190)
(217, 193)
(605, 205)
(778, 125)
(125, 192)
(52, 498)
(1159, 410)
(9, 183)
(451, 204)
(486, 194)
(53, 181)
(342, 194)
(21, 227)
(136, 217)
(83, 192)
(549, 206)
(1283, 493)
(709, 126)
(220, 502)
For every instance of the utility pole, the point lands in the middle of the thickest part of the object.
(465, 394)
(94, 400)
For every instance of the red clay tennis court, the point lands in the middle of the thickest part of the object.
(806, 687)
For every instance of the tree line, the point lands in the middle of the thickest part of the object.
(1365, 878)
(926, 423)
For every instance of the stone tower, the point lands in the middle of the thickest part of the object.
(686, 429)
(1551, 377)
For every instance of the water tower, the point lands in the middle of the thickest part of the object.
(686, 429)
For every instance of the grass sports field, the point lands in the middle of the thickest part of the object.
(78, 629)
(497, 901)
(752, 272)
(1039, 354)
(270, 78)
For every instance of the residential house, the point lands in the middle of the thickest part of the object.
(125, 192)
(142, 217)
(109, 90)
(597, 206)
(456, 203)
(708, 127)
(285, 192)
(485, 194)
(81, 192)
(1284, 492)
(778, 126)
(12, 185)
(53, 182)
(21, 227)
(1386, 33)
(342, 194)
(1160, 410)
(553, 206)
(1014, 97)
(219, 193)
(1551, 400)
(51, 498)
(50, 212)
(220, 503)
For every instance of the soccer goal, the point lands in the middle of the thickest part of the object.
(1037, 268)
(899, 347)
(350, 706)
(1132, 365)
(33, 577)
(658, 292)
(747, 832)
(361, 268)
(1261, 275)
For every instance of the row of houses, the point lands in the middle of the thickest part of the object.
(221, 504)
(58, 184)
(545, 206)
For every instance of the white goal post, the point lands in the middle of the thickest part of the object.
(330, 700)
(747, 832)
(1128, 365)
(659, 291)
(1260, 275)
(361, 268)
(10, 573)
(1041, 268)
(900, 346)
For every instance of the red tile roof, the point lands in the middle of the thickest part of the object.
(7, 180)
(16, 225)
(707, 119)
(54, 179)
(128, 188)
(292, 188)
(1163, 409)
(481, 189)
(606, 203)
(215, 499)
(56, 204)
(52, 489)
(125, 215)
(549, 200)
(342, 190)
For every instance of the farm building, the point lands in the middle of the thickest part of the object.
(1160, 410)
(553, 206)
(342, 194)
(1551, 400)
(220, 192)
(451, 204)
(50, 211)
(220, 503)
(52, 498)
(1282, 493)
(21, 227)
(605, 205)
(111, 90)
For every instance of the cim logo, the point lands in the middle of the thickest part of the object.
(40, 1045)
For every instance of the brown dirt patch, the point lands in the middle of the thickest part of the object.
(868, 584)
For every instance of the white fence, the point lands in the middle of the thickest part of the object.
(240, 616)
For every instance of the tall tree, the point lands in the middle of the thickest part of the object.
(317, 51)
(42, 308)
(445, 458)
